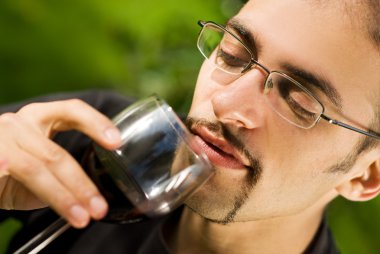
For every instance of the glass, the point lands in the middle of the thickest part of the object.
(285, 95)
(155, 169)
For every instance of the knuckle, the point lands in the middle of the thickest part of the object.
(86, 191)
(84, 187)
(76, 103)
(60, 201)
(63, 201)
(53, 154)
(31, 107)
(8, 119)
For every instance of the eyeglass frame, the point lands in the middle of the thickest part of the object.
(254, 62)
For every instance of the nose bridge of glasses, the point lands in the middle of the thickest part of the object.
(254, 64)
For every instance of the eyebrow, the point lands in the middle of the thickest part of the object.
(243, 32)
(317, 81)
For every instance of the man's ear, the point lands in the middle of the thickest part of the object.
(363, 187)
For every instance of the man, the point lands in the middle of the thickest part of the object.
(286, 108)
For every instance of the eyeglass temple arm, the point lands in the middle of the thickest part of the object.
(202, 23)
(335, 122)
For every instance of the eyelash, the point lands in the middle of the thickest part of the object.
(227, 58)
(298, 110)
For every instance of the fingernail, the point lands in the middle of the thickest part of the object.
(80, 215)
(112, 134)
(98, 206)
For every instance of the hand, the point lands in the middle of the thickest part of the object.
(36, 172)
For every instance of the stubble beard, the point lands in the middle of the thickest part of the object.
(228, 207)
(207, 201)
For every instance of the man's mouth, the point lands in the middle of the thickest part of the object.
(218, 150)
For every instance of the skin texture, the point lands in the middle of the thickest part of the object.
(277, 189)
(300, 171)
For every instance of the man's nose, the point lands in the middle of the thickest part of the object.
(240, 102)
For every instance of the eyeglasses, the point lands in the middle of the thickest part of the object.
(285, 95)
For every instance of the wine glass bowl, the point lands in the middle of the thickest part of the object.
(154, 170)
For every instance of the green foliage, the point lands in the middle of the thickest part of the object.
(7, 229)
(136, 47)
(356, 226)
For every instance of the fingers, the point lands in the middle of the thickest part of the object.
(38, 179)
(73, 114)
(47, 170)
(68, 172)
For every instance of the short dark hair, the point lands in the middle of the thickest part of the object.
(366, 15)
(367, 143)
(373, 21)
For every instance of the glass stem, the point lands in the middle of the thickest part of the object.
(41, 240)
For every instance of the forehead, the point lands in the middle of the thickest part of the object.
(322, 39)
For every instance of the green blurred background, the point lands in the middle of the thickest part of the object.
(135, 47)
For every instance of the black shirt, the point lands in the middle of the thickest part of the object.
(99, 237)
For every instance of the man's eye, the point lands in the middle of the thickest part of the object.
(224, 58)
(298, 101)
(300, 111)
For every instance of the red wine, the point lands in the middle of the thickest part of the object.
(121, 209)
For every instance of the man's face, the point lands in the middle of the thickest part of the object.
(266, 167)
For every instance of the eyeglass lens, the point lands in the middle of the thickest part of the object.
(285, 96)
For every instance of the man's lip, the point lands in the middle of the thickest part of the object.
(219, 151)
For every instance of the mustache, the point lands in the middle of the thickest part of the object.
(255, 167)
(222, 130)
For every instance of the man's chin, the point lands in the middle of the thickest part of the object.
(212, 206)
(221, 198)
(207, 216)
